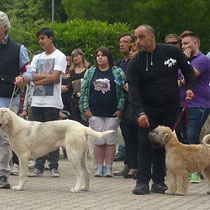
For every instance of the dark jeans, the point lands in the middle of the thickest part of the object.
(129, 133)
(44, 114)
(190, 129)
(147, 155)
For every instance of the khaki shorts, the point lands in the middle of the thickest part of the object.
(104, 124)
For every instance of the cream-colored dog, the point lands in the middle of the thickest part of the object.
(182, 159)
(30, 139)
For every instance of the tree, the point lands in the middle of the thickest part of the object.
(165, 16)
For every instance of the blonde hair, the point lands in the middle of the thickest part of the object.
(78, 52)
(4, 20)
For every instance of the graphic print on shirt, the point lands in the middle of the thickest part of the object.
(102, 85)
(170, 62)
(44, 66)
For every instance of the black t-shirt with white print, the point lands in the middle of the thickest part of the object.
(103, 97)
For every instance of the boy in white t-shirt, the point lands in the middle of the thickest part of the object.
(47, 68)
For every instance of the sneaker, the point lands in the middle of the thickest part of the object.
(119, 157)
(159, 188)
(35, 173)
(141, 189)
(54, 173)
(108, 171)
(195, 178)
(122, 172)
(15, 170)
(100, 171)
(4, 183)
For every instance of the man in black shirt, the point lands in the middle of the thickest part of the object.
(154, 95)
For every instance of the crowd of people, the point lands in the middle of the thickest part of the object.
(149, 86)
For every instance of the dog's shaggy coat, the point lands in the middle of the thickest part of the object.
(182, 159)
(30, 139)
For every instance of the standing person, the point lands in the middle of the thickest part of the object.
(65, 93)
(198, 109)
(13, 61)
(128, 128)
(26, 113)
(78, 69)
(154, 96)
(126, 41)
(173, 39)
(102, 103)
(48, 68)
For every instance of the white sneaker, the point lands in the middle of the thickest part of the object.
(54, 173)
(108, 171)
(14, 170)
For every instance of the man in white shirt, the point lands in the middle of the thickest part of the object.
(48, 68)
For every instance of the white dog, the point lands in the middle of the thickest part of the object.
(30, 139)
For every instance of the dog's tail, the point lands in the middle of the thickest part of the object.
(206, 140)
(100, 135)
(97, 134)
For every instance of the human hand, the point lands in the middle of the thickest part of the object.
(24, 114)
(88, 114)
(19, 81)
(64, 88)
(143, 121)
(189, 95)
(118, 114)
(125, 87)
(188, 52)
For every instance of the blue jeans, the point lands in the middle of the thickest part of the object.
(191, 131)
(44, 114)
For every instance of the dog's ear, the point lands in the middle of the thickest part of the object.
(6, 116)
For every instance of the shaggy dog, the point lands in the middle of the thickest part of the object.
(30, 139)
(182, 159)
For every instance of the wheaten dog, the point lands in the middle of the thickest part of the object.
(182, 159)
(30, 139)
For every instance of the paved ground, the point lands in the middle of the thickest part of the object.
(46, 193)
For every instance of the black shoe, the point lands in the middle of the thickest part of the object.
(4, 184)
(119, 157)
(141, 189)
(135, 176)
(159, 188)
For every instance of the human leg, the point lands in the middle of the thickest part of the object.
(97, 123)
(5, 156)
(197, 118)
(131, 148)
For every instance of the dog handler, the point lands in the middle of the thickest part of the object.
(154, 95)
(13, 61)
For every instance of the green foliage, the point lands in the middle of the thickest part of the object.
(171, 16)
(87, 35)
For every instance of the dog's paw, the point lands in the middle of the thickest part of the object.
(179, 193)
(18, 188)
(74, 190)
(169, 192)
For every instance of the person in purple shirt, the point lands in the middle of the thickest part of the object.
(198, 109)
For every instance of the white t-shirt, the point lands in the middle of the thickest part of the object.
(48, 95)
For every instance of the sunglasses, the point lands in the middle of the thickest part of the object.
(173, 43)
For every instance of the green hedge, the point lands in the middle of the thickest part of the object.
(87, 35)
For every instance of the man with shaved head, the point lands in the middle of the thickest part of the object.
(154, 96)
